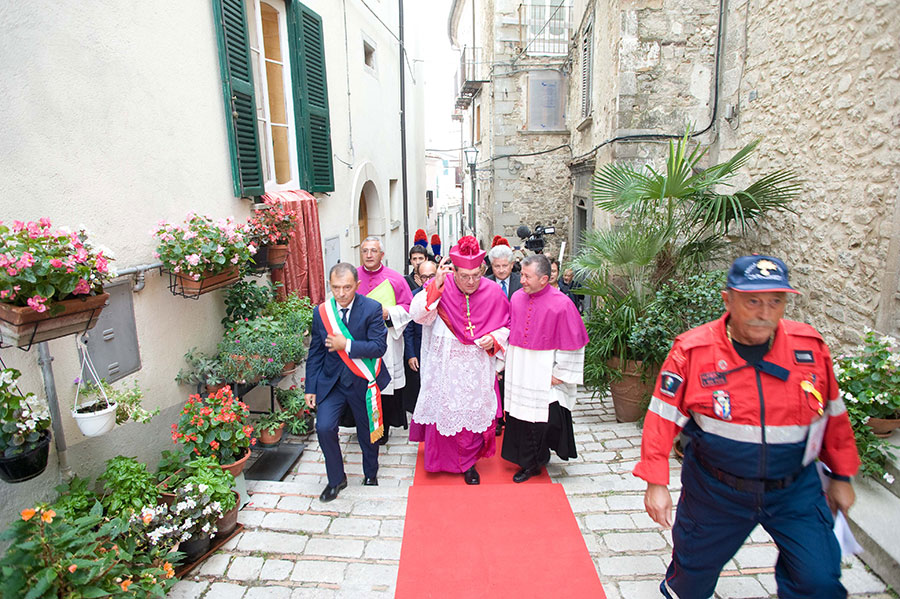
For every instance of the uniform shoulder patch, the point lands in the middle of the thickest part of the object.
(669, 382)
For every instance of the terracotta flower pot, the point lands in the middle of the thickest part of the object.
(228, 521)
(270, 437)
(238, 466)
(278, 255)
(21, 326)
(289, 368)
(883, 427)
(189, 287)
(630, 393)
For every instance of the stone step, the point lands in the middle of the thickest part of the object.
(893, 466)
(875, 520)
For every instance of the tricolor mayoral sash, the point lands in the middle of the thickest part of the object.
(367, 368)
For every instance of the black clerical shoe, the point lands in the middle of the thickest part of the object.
(471, 476)
(525, 473)
(384, 438)
(330, 493)
(499, 430)
(370, 481)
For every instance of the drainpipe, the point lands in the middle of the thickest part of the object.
(403, 136)
(59, 436)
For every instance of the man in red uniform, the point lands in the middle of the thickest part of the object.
(758, 403)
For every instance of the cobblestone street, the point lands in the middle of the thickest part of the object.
(295, 547)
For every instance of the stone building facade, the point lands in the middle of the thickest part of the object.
(818, 83)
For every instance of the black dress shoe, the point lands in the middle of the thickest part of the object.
(499, 430)
(370, 481)
(471, 476)
(330, 493)
(525, 473)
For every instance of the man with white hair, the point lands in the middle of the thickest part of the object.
(502, 262)
(388, 287)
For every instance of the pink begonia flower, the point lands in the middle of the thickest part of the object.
(5, 293)
(4, 261)
(193, 259)
(18, 226)
(252, 248)
(36, 303)
(156, 255)
(190, 234)
(195, 277)
(45, 222)
(12, 271)
(69, 270)
(81, 255)
(101, 263)
(177, 269)
(220, 249)
(25, 261)
(162, 223)
(234, 259)
(82, 288)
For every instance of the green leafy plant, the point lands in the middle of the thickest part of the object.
(202, 369)
(170, 462)
(258, 349)
(128, 485)
(215, 425)
(75, 498)
(297, 417)
(206, 475)
(245, 300)
(52, 556)
(128, 400)
(293, 312)
(271, 421)
(22, 422)
(869, 379)
(201, 246)
(39, 266)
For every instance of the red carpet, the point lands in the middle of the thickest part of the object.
(493, 470)
(497, 540)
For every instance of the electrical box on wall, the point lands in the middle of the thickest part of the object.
(113, 343)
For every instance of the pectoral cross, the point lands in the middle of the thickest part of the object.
(470, 327)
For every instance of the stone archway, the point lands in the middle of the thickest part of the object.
(370, 219)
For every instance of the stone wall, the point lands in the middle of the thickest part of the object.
(818, 82)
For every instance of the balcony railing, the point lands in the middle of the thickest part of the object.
(472, 74)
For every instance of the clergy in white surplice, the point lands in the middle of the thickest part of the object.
(544, 366)
(389, 288)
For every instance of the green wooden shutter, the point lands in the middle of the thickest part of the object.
(311, 99)
(240, 102)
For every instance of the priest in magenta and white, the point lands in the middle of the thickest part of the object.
(544, 366)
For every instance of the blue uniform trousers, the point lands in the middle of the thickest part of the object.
(328, 415)
(713, 520)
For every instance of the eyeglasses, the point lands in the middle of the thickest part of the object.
(427, 277)
(470, 278)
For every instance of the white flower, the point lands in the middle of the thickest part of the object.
(202, 488)
(888, 478)
(206, 527)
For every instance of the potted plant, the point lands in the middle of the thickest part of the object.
(24, 431)
(52, 555)
(205, 475)
(51, 282)
(298, 418)
(75, 498)
(245, 300)
(259, 349)
(668, 226)
(270, 427)
(106, 406)
(201, 370)
(869, 379)
(127, 485)
(202, 254)
(196, 514)
(216, 425)
(272, 226)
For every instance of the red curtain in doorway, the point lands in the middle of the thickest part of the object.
(304, 270)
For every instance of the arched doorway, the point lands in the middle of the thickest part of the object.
(363, 218)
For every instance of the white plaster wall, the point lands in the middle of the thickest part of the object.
(112, 116)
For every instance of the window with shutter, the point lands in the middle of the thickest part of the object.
(240, 104)
(311, 99)
(587, 42)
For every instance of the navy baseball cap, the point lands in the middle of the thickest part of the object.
(759, 274)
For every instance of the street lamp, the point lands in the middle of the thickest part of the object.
(471, 154)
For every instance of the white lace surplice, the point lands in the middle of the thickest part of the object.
(393, 355)
(457, 389)
(528, 376)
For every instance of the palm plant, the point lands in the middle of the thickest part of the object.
(668, 225)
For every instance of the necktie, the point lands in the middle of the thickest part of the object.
(344, 315)
(503, 285)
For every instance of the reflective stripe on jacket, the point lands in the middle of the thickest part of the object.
(750, 421)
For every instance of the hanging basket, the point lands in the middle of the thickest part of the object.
(27, 465)
(20, 326)
(95, 423)
(185, 286)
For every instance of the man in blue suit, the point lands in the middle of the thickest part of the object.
(344, 368)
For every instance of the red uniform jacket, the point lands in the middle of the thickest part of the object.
(752, 422)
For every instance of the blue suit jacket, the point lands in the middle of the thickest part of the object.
(326, 372)
(412, 336)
